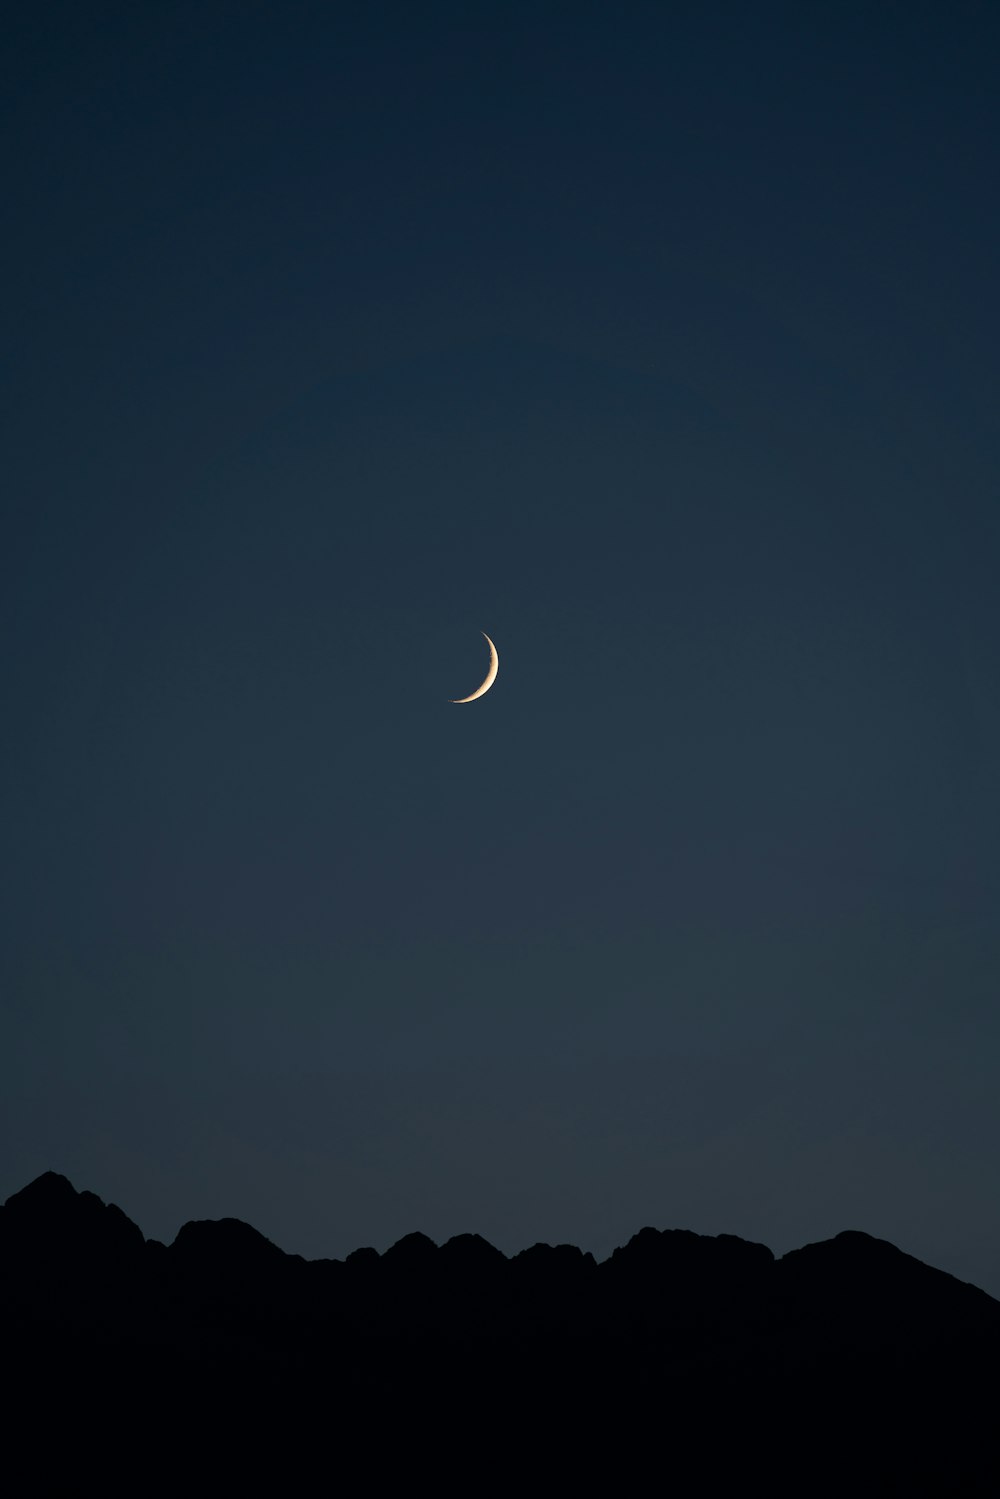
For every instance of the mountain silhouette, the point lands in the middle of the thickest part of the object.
(691, 1361)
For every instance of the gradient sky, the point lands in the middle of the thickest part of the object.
(661, 343)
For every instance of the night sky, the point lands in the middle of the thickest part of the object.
(660, 342)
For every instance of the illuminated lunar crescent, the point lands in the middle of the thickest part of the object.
(491, 675)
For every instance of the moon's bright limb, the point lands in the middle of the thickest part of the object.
(491, 675)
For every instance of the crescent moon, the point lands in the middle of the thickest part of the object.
(491, 675)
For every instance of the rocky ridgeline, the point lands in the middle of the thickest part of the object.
(742, 1364)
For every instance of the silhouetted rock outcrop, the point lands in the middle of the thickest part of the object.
(225, 1243)
(70, 1265)
(49, 1217)
(470, 1254)
(846, 1366)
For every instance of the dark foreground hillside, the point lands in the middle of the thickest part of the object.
(683, 1363)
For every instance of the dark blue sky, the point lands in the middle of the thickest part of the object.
(658, 341)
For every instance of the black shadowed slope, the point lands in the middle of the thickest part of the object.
(846, 1366)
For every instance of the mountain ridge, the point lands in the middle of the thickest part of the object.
(843, 1366)
(51, 1189)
